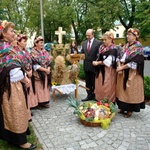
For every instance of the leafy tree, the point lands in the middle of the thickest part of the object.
(57, 13)
(131, 13)
(80, 14)
(143, 17)
(23, 13)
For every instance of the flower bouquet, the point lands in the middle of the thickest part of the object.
(92, 113)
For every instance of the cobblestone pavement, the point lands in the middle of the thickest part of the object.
(59, 129)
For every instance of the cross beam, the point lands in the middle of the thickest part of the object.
(60, 33)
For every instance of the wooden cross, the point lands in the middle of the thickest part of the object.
(60, 33)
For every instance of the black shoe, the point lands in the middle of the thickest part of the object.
(85, 99)
(30, 120)
(31, 113)
(32, 147)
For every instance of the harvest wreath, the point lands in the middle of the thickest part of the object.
(92, 113)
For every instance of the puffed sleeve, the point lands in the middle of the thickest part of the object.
(132, 65)
(36, 66)
(16, 74)
(108, 60)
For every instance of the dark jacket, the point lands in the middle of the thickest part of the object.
(91, 56)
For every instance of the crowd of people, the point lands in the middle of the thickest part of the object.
(25, 83)
(26, 77)
(114, 74)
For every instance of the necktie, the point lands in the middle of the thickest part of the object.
(89, 45)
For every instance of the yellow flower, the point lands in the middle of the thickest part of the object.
(4, 23)
(54, 83)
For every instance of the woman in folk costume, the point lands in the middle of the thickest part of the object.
(13, 84)
(42, 77)
(27, 61)
(130, 85)
(105, 81)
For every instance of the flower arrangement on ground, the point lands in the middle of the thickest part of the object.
(92, 113)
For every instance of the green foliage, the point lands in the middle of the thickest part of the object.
(80, 14)
(147, 87)
(75, 104)
(72, 102)
(81, 74)
(89, 119)
(143, 17)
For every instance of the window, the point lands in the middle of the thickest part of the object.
(117, 35)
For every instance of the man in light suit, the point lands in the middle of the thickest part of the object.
(90, 48)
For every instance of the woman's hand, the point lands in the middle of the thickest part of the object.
(29, 73)
(95, 63)
(48, 70)
(26, 81)
(119, 68)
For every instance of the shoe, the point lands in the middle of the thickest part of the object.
(85, 99)
(128, 114)
(32, 147)
(39, 107)
(30, 120)
(46, 106)
(121, 112)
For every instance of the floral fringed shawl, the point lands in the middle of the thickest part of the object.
(8, 60)
(105, 51)
(41, 58)
(8, 56)
(134, 53)
(25, 58)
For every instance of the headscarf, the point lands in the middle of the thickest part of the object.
(40, 57)
(3, 25)
(21, 36)
(109, 35)
(134, 31)
(37, 39)
(23, 54)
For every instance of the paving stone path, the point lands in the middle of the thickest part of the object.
(59, 129)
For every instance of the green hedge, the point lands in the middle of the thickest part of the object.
(147, 87)
(81, 74)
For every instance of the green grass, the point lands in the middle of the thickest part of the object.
(31, 139)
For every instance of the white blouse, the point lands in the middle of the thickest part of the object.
(108, 60)
(16, 74)
(36, 66)
(131, 64)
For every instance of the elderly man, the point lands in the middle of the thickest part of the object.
(90, 48)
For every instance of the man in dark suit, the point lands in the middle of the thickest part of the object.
(90, 48)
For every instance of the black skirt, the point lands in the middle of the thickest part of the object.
(11, 137)
(130, 107)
